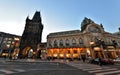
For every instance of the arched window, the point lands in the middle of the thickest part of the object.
(61, 42)
(55, 43)
(80, 41)
(73, 42)
(50, 43)
(67, 42)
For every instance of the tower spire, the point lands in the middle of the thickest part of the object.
(37, 16)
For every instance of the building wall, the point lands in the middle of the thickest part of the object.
(9, 43)
(92, 33)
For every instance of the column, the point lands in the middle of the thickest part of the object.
(102, 51)
(58, 54)
(65, 54)
(71, 52)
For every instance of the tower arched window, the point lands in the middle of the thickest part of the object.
(55, 43)
(61, 42)
(80, 41)
(73, 42)
(67, 42)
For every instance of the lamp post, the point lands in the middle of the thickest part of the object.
(115, 46)
(91, 50)
(101, 47)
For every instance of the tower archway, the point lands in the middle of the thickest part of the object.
(26, 51)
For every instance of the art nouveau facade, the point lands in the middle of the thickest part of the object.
(91, 40)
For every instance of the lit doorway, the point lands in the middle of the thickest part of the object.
(25, 52)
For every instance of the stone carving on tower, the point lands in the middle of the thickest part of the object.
(31, 36)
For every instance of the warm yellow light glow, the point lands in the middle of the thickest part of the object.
(97, 48)
(65, 52)
(91, 43)
(4, 54)
(16, 38)
(75, 55)
(55, 55)
(88, 52)
(8, 45)
(61, 55)
(67, 55)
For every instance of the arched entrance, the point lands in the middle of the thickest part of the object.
(25, 52)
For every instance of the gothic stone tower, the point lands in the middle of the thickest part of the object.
(31, 36)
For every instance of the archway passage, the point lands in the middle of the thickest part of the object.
(26, 51)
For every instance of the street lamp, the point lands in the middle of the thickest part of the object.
(101, 47)
(115, 46)
(91, 50)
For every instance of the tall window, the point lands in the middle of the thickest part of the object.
(61, 42)
(67, 42)
(50, 43)
(73, 42)
(80, 41)
(55, 43)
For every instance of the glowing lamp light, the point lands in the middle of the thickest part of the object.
(61, 55)
(67, 55)
(91, 43)
(88, 52)
(97, 48)
(16, 38)
(55, 55)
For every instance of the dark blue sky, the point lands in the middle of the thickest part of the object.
(59, 15)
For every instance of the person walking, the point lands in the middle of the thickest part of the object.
(100, 62)
(84, 59)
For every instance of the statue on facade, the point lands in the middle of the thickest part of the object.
(85, 22)
(101, 26)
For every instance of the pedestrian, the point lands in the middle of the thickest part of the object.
(100, 62)
(83, 58)
(89, 59)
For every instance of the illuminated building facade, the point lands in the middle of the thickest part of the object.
(31, 36)
(9, 45)
(91, 40)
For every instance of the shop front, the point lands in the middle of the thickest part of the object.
(67, 53)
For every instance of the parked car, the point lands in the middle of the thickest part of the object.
(94, 61)
(107, 62)
(103, 61)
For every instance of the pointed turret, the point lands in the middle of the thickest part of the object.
(27, 19)
(37, 16)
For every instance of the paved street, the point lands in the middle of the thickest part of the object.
(33, 67)
(96, 69)
(37, 67)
